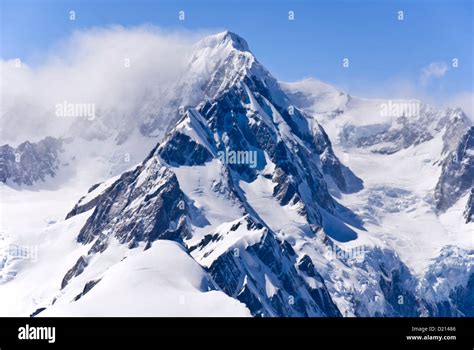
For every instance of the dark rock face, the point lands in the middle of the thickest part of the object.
(76, 270)
(83, 206)
(469, 211)
(456, 123)
(87, 287)
(449, 283)
(37, 311)
(342, 176)
(233, 130)
(463, 298)
(30, 162)
(226, 124)
(459, 304)
(144, 205)
(181, 150)
(148, 202)
(266, 275)
(457, 175)
(403, 302)
(394, 281)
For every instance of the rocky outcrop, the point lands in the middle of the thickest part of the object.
(457, 175)
(30, 162)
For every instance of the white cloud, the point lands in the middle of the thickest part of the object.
(91, 67)
(434, 70)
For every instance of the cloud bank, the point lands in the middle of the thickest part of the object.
(127, 75)
(123, 72)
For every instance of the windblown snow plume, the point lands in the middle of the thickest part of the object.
(101, 80)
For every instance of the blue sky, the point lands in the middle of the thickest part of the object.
(385, 54)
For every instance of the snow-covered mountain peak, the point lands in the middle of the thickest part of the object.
(224, 39)
(225, 48)
(217, 62)
(296, 199)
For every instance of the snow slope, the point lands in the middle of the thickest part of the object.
(162, 280)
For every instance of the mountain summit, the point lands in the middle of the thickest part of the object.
(224, 39)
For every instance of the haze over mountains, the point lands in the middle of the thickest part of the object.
(353, 207)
